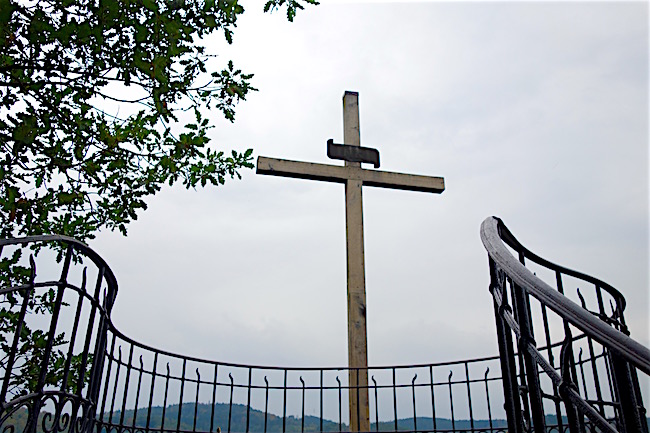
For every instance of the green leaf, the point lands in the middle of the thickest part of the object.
(67, 198)
(152, 5)
(7, 8)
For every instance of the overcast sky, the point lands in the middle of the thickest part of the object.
(534, 112)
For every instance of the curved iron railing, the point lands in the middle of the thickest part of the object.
(83, 374)
(599, 392)
(66, 367)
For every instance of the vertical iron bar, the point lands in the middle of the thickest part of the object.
(284, 404)
(469, 396)
(592, 357)
(62, 285)
(108, 376)
(567, 364)
(582, 374)
(302, 425)
(558, 409)
(523, 383)
(214, 396)
(522, 260)
(376, 404)
(232, 388)
(321, 400)
(266, 402)
(599, 297)
(639, 402)
(618, 410)
(433, 398)
(91, 322)
(534, 390)
(558, 280)
(621, 316)
(395, 398)
(594, 374)
(117, 377)
(551, 360)
(180, 398)
(196, 398)
(126, 384)
(162, 423)
(506, 353)
(415, 415)
(487, 398)
(137, 393)
(451, 402)
(100, 354)
(574, 372)
(577, 425)
(248, 404)
(153, 382)
(627, 397)
(610, 380)
(340, 409)
(73, 335)
(547, 335)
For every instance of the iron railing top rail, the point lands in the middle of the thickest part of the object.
(510, 240)
(495, 235)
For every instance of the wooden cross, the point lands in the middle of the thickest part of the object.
(354, 177)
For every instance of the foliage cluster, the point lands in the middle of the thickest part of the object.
(71, 166)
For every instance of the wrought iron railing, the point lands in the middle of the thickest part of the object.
(89, 376)
(65, 367)
(590, 382)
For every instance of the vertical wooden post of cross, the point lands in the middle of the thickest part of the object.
(357, 339)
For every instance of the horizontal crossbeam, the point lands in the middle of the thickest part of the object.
(340, 174)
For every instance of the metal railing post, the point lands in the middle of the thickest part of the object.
(507, 356)
(526, 338)
(625, 390)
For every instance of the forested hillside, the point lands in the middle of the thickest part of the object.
(202, 418)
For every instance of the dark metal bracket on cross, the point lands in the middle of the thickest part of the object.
(354, 177)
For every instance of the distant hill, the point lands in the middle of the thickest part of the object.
(274, 423)
(256, 420)
(221, 411)
(292, 424)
